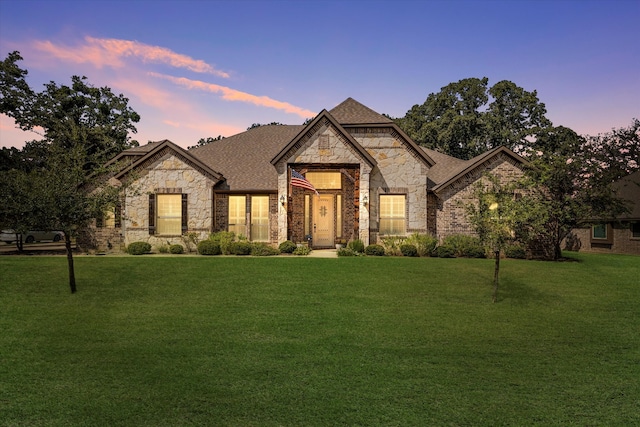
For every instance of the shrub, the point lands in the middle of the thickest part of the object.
(263, 249)
(374, 250)
(424, 243)
(346, 252)
(445, 251)
(302, 250)
(465, 246)
(138, 248)
(163, 249)
(392, 244)
(356, 246)
(176, 249)
(190, 240)
(209, 247)
(515, 251)
(287, 247)
(242, 247)
(224, 239)
(408, 250)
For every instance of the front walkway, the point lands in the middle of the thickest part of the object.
(323, 253)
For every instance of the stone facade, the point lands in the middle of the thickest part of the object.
(168, 175)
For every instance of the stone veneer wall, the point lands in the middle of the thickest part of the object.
(168, 174)
(398, 170)
(451, 217)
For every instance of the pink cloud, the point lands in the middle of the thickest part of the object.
(235, 95)
(109, 52)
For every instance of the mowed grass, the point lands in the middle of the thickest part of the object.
(295, 341)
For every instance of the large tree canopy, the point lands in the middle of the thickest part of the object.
(467, 118)
(57, 182)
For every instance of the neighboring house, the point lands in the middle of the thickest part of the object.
(614, 235)
(372, 181)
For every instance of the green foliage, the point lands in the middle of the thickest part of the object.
(138, 248)
(374, 250)
(224, 239)
(302, 250)
(242, 247)
(263, 249)
(445, 251)
(346, 252)
(209, 247)
(356, 245)
(392, 244)
(176, 249)
(163, 249)
(287, 247)
(465, 246)
(190, 240)
(468, 118)
(424, 243)
(515, 251)
(408, 250)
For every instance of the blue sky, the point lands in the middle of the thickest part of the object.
(194, 69)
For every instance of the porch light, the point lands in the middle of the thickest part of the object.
(282, 200)
(365, 200)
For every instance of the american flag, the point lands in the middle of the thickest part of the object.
(297, 180)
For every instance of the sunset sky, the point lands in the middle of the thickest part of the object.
(194, 69)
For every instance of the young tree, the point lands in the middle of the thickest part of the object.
(83, 128)
(495, 216)
(467, 118)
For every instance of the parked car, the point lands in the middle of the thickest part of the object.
(10, 236)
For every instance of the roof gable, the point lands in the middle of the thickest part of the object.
(352, 112)
(309, 129)
(159, 149)
(462, 169)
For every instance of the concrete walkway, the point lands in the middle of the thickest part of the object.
(323, 253)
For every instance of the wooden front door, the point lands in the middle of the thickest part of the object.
(323, 220)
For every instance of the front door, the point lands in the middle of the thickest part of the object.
(323, 216)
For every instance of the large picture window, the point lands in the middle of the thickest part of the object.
(238, 215)
(260, 218)
(392, 214)
(169, 214)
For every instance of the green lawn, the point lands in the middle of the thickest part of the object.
(293, 341)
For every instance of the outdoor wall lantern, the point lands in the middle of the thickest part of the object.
(365, 200)
(282, 200)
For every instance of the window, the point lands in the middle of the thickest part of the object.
(339, 215)
(238, 214)
(307, 214)
(325, 180)
(169, 214)
(260, 218)
(635, 230)
(110, 218)
(599, 232)
(392, 214)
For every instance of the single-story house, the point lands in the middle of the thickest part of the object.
(613, 235)
(371, 180)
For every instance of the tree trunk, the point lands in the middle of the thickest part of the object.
(496, 274)
(72, 274)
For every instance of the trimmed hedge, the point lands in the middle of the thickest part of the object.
(445, 251)
(408, 250)
(287, 247)
(263, 249)
(346, 252)
(356, 246)
(374, 250)
(176, 249)
(243, 247)
(209, 247)
(138, 248)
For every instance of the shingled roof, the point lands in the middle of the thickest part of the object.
(628, 188)
(351, 112)
(244, 159)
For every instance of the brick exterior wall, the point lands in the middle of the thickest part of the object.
(622, 242)
(451, 217)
